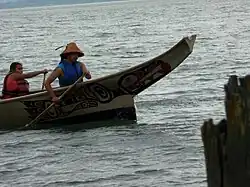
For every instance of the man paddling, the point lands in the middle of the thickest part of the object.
(69, 69)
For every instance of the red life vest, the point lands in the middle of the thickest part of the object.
(13, 88)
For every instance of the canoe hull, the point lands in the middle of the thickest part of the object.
(67, 113)
(103, 98)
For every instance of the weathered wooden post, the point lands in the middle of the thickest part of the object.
(227, 144)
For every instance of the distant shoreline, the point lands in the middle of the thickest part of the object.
(20, 5)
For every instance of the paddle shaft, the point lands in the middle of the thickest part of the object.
(44, 76)
(50, 106)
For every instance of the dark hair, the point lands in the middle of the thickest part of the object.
(63, 57)
(13, 66)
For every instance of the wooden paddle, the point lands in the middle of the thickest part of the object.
(44, 76)
(64, 93)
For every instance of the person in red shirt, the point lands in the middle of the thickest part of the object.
(15, 83)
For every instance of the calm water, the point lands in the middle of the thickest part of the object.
(164, 147)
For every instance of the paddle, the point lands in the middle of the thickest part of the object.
(44, 76)
(64, 93)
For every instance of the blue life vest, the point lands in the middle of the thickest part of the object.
(71, 72)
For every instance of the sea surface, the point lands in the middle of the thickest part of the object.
(164, 147)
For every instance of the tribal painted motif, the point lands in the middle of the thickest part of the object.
(92, 94)
(138, 80)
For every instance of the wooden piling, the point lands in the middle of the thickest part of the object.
(227, 144)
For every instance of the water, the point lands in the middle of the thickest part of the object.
(164, 147)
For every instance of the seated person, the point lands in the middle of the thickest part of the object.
(14, 82)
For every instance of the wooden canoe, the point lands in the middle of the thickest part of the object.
(107, 97)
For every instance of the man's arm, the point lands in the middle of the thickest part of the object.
(85, 71)
(18, 76)
(56, 73)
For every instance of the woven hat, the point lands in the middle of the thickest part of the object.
(72, 48)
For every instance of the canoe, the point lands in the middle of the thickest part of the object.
(108, 97)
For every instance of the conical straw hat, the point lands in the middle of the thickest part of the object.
(72, 48)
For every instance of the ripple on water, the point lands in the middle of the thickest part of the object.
(164, 148)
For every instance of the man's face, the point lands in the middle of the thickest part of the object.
(19, 69)
(73, 57)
